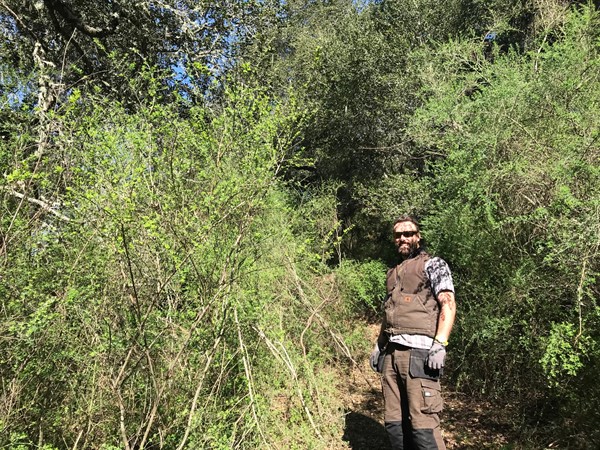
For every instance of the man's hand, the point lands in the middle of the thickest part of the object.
(374, 358)
(436, 357)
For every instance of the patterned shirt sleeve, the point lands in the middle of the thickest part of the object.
(439, 275)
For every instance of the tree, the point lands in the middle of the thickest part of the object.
(355, 67)
(72, 43)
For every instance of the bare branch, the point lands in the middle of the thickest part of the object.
(249, 377)
(45, 206)
(74, 19)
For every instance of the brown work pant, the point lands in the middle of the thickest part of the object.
(414, 402)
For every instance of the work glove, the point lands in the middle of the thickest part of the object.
(374, 359)
(436, 356)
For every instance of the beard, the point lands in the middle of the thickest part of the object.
(405, 251)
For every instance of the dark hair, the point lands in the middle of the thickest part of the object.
(407, 218)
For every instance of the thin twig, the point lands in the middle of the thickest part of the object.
(285, 358)
(249, 378)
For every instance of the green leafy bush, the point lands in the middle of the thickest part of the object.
(161, 301)
(362, 284)
(515, 211)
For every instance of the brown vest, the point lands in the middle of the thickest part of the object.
(411, 307)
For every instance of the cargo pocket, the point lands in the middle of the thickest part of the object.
(432, 398)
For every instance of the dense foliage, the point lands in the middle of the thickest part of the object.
(164, 299)
(196, 200)
(515, 203)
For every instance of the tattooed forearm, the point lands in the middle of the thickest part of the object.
(447, 313)
(446, 298)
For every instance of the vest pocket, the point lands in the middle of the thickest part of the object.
(406, 313)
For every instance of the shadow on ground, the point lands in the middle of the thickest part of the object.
(364, 433)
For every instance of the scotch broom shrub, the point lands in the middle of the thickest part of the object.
(516, 215)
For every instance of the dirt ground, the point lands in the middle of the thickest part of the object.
(466, 423)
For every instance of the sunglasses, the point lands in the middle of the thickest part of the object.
(406, 234)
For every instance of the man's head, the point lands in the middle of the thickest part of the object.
(407, 237)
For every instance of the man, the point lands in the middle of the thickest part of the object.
(419, 314)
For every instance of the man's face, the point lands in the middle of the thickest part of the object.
(406, 238)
